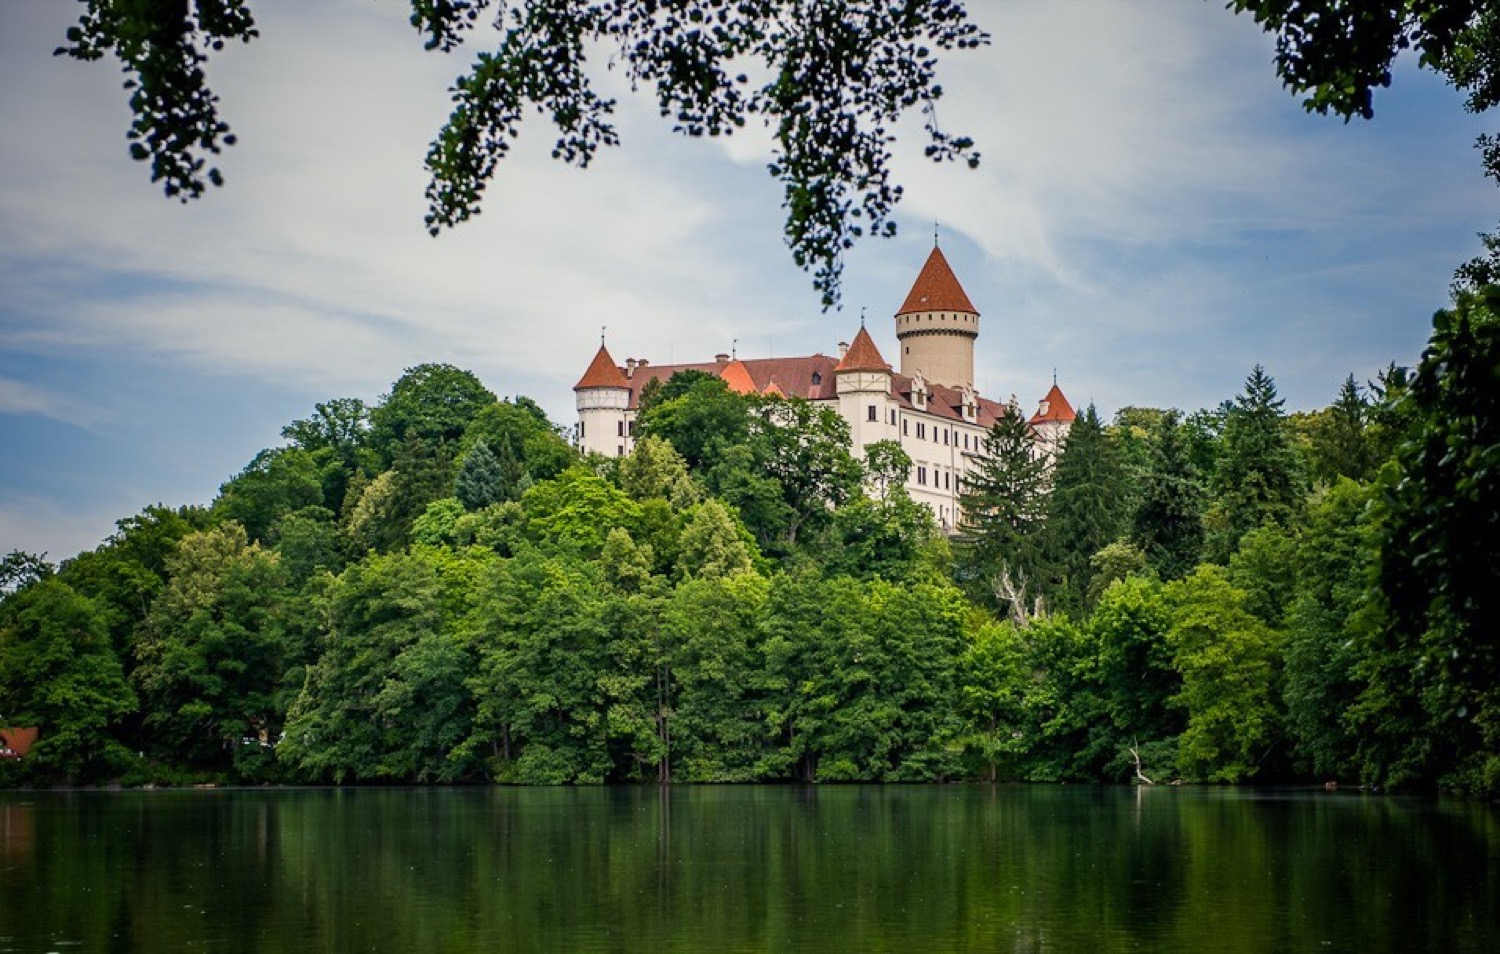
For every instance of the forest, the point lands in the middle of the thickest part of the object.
(439, 589)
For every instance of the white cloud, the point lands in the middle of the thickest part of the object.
(18, 397)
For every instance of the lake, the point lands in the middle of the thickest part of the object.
(764, 868)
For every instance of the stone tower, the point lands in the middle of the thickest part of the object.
(603, 400)
(937, 325)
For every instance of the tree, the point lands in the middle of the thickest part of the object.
(804, 447)
(1430, 709)
(211, 654)
(715, 544)
(1004, 509)
(1257, 478)
(655, 469)
(480, 480)
(1230, 694)
(1341, 447)
(58, 673)
(1168, 522)
(1086, 508)
(20, 569)
(431, 403)
(832, 79)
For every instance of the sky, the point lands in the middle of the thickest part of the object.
(1153, 215)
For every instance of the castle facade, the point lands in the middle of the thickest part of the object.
(930, 406)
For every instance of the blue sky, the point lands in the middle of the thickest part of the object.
(1153, 216)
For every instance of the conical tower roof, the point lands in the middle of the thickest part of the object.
(1054, 409)
(937, 289)
(862, 355)
(602, 373)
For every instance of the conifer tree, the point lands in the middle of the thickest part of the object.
(1257, 478)
(479, 481)
(1341, 447)
(1168, 523)
(1004, 516)
(1087, 506)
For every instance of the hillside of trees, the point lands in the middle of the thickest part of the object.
(437, 589)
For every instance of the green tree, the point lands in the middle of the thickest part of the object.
(655, 469)
(1341, 447)
(1137, 677)
(1004, 504)
(1168, 521)
(700, 422)
(480, 480)
(1325, 624)
(1228, 660)
(1257, 478)
(576, 510)
(210, 658)
(58, 673)
(992, 683)
(433, 404)
(388, 698)
(1086, 509)
(1430, 711)
(804, 447)
(274, 484)
(832, 82)
(527, 445)
(715, 544)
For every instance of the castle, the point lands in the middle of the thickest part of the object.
(930, 406)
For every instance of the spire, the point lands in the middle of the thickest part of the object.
(937, 289)
(602, 373)
(862, 355)
(1054, 409)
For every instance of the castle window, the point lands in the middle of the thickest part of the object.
(905, 427)
(619, 428)
(945, 480)
(945, 436)
(893, 415)
(630, 429)
(817, 377)
(921, 430)
(580, 430)
(620, 451)
(874, 414)
(922, 476)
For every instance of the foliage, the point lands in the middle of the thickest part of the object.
(1257, 478)
(1004, 517)
(1430, 709)
(1168, 522)
(58, 673)
(1227, 659)
(1086, 507)
(481, 480)
(432, 404)
(831, 81)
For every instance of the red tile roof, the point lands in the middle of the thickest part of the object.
(862, 355)
(1054, 409)
(738, 378)
(937, 289)
(602, 373)
(810, 376)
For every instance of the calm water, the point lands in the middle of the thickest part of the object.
(958, 868)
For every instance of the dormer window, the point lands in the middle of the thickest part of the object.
(817, 377)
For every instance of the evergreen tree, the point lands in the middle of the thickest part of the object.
(480, 481)
(1004, 515)
(1341, 447)
(1168, 523)
(1087, 506)
(1257, 478)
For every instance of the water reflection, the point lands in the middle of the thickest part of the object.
(745, 869)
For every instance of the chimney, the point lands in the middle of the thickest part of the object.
(843, 349)
(641, 363)
(721, 358)
(629, 367)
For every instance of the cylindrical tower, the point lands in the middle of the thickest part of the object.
(937, 325)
